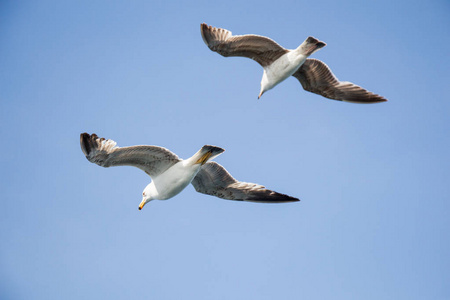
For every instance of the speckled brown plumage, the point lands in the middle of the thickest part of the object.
(213, 179)
(316, 77)
(259, 48)
(151, 159)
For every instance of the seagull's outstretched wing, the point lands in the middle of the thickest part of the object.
(151, 159)
(316, 77)
(213, 179)
(259, 48)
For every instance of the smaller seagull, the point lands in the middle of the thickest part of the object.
(171, 174)
(280, 63)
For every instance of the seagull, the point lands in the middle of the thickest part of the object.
(171, 174)
(280, 63)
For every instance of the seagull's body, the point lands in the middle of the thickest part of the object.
(173, 181)
(281, 69)
(170, 174)
(177, 177)
(280, 63)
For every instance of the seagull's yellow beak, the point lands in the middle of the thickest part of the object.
(260, 94)
(142, 204)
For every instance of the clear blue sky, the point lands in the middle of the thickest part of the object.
(374, 180)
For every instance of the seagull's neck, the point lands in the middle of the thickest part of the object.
(151, 191)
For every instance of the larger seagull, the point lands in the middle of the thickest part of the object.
(280, 63)
(170, 174)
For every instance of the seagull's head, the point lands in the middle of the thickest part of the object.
(265, 85)
(146, 196)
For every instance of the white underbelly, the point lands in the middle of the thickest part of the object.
(282, 68)
(174, 180)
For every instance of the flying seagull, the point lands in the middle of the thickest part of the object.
(171, 174)
(280, 63)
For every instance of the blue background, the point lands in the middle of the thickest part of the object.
(374, 180)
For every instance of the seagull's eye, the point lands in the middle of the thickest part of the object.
(143, 194)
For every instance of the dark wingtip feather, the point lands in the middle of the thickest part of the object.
(272, 197)
(213, 36)
(85, 143)
(380, 99)
(372, 99)
(279, 198)
(88, 142)
(203, 29)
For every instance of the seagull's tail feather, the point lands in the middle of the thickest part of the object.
(91, 145)
(310, 45)
(206, 154)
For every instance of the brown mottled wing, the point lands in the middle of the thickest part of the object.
(259, 48)
(316, 77)
(213, 179)
(151, 159)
